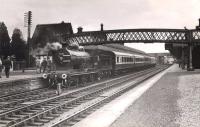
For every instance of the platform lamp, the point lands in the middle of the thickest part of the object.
(28, 23)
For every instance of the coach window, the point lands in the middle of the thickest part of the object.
(117, 59)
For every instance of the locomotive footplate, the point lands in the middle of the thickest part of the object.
(69, 79)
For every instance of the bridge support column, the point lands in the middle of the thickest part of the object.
(183, 58)
(190, 46)
(190, 58)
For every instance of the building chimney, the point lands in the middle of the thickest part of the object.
(101, 26)
(80, 30)
(199, 22)
(198, 27)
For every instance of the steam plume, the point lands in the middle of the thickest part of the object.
(48, 47)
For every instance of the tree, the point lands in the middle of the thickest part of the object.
(4, 40)
(18, 45)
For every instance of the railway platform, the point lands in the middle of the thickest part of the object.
(19, 81)
(19, 75)
(169, 99)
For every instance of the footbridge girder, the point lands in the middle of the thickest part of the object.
(180, 36)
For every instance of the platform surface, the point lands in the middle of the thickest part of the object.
(169, 99)
(19, 81)
(19, 75)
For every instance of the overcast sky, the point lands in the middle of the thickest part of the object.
(114, 14)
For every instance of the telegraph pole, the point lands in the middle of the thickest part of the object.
(28, 23)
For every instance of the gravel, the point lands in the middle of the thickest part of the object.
(189, 85)
(174, 101)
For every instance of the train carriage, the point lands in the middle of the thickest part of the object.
(122, 61)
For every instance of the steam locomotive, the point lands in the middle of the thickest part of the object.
(90, 63)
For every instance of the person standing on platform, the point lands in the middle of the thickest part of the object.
(1, 67)
(179, 63)
(53, 66)
(49, 64)
(44, 64)
(38, 65)
(7, 65)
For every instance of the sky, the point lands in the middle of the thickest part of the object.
(114, 14)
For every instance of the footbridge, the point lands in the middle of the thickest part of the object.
(178, 36)
(185, 38)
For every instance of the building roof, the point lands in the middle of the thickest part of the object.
(47, 33)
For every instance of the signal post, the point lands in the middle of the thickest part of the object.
(28, 23)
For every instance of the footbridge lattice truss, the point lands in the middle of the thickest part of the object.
(135, 35)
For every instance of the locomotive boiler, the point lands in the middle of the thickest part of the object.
(70, 60)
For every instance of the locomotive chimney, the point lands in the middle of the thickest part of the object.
(80, 30)
(101, 26)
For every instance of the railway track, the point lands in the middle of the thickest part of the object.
(13, 101)
(18, 99)
(21, 93)
(41, 112)
(72, 118)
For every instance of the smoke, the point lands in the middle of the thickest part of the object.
(53, 46)
(48, 47)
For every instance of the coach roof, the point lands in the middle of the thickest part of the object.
(116, 48)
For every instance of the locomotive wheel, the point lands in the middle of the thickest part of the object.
(99, 77)
(105, 74)
(84, 79)
(109, 74)
(91, 78)
(73, 81)
(64, 83)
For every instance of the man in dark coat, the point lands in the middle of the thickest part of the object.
(44, 64)
(49, 63)
(7, 65)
